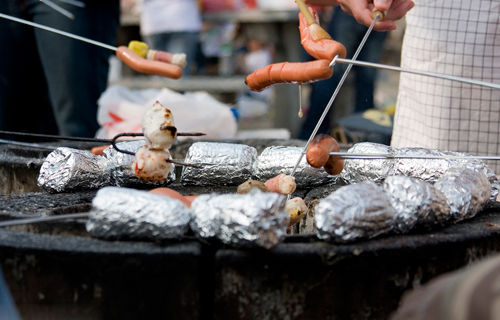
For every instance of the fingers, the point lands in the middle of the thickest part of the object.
(382, 5)
(399, 9)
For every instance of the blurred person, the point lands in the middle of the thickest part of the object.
(173, 26)
(50, 83)
(8, 310)
(346, 30)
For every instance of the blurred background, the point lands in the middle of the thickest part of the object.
(237, 37)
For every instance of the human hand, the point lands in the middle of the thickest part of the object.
(362, 11)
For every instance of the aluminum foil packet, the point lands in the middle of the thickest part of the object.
(67, 169)
(121, 213)
(416, 203)
(376, 170)
(360, 210)
(120, 170)
(431, 170)
(282, 159)
(222, 164)
(253, 219)
(467, 191)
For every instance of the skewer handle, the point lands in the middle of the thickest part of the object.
(377, 14)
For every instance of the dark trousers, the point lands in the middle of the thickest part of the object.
(50, 83)
(346, 30)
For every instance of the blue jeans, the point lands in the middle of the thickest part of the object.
(176, 42)
(346, 30)
(50, 83)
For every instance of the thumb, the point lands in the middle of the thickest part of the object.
(382, 5)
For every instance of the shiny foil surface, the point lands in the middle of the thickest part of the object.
(222, 164)
(360, 210)
(121, 213)
(467, 191)
(253, 219)
(67, 169)
(416, 203)
(282, 159)
(426, 169)
(120, 171)
(376, 170)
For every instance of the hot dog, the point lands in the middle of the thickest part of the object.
(174, 194)
(142, 49)
(318, 151)
(142, 65)
(99, 151)
(318, 154)
(287, 72)
(322, 48)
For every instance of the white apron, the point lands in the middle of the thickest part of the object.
(460, 38)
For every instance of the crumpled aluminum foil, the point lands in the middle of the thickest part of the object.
(426, 169)
(121, 213)
(430, 170)
(360, 210)
(67, 169)
(121, 172)
(416, 203)
(467, 191)
(253, 219)
(282, 159)
(376, 170)
(222, 164)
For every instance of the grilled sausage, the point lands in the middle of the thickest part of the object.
(288, 72)
(142, 65)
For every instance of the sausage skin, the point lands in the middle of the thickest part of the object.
(288, 72)
(173, 194)
(142, 65)
(323, 48)
(318, 151)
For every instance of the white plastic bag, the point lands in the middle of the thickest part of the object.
(122, 110)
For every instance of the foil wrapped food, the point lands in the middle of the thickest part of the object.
(376, 170)
(68, 169)
(356, 170)
(361, 210)
(416, 203)
(120, 170)
(222, 164)
(467, 191)
(282, 159)
(121, 213)
(253, 219)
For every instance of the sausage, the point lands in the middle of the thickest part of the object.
(334, 165)
(318, 151)
(288, 72)
(178, 59)
(320, 49)
(174, 194)
(142, 65)
(99, 151)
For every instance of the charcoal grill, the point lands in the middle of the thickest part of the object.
(55, 270)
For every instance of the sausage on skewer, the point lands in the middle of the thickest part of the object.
(318, 154)
(142, 65)
(287, 72)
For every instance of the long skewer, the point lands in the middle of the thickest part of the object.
(376, 17)
(424, 73)
(366, 156)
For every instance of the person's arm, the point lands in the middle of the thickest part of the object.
(361, 10)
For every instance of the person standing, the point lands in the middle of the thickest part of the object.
(172, 26)
(50, 83)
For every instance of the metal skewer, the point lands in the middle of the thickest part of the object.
(17, 222)
(58, 9)
(376, 16)
(70, 35)
(367, 156)
(424, 73)
(74, 2)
